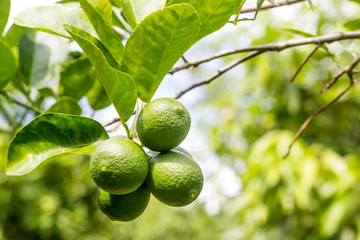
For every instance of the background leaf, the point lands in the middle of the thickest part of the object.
(213, 13)
(129, 13)
(353, 25)
(66, 105)
(50, 19)
(50, 136)
(14, 34)
(8, 64)
(74, 80)
(156, 45)
(97, 95)
(141, 8)
(4, 14)
(119, 86)
(100, 16)
(41, 56)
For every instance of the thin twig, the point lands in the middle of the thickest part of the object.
(349, 68)
(277, 46)
(320, 110)
(218, 73)
(35, 110)
(115, 120)
(113, 129)
(304, 62)
(270, 5)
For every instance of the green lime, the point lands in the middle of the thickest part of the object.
(163, 124)
(119, 165)
(125, 207)
(174, 178)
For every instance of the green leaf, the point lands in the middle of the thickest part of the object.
(259, 3)
(41, 56)
(352, 25)
(14, 34)
(156, 45)
(129, 13)
(299, 32)
(100, 16)
(8, 64)
(355, 1)
(214, 14)
(311, 4)
(46, 92)
(4, 14)
(50, 19)
(120, 87)
(142, 9)
(50, 136)
(65, 105)
(74, 81)
(97, 95)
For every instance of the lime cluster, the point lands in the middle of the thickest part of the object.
(127, 176)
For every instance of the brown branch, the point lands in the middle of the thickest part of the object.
(114, 128)
(115, 120)
(34, 109)
(277, 46)
(270, 5)
(348, 69)
(219, 73)
(320, 110)
(304, 62)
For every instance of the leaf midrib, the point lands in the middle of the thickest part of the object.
(166, 51)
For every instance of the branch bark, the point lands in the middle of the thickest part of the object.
(270, 5)
(277, 46)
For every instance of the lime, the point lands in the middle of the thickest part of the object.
(163, 124)
(125, 207)
(174, 178)
(119, 165)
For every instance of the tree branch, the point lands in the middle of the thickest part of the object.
(323, 108)
(35, 110)
(270, 5)
(304, 62)
(348, 69)
(277, 46)
(219, 73)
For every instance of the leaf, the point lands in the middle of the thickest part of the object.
(4, 14)
(129, 13)
(100, 16)
(41, 56)
(74, 81)
(65, 105)
(355, 1)
(46, 92)
(311, 4)
(142, 9)
(299, 32)
(8, 64)
(50, 19)
(14, 35)
(50, 136)
(97, 95)
(156, 45)
(259, 3)
(119, 86)
(352, 25)
(214, 14)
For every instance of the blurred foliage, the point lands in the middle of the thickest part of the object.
(249, 117)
